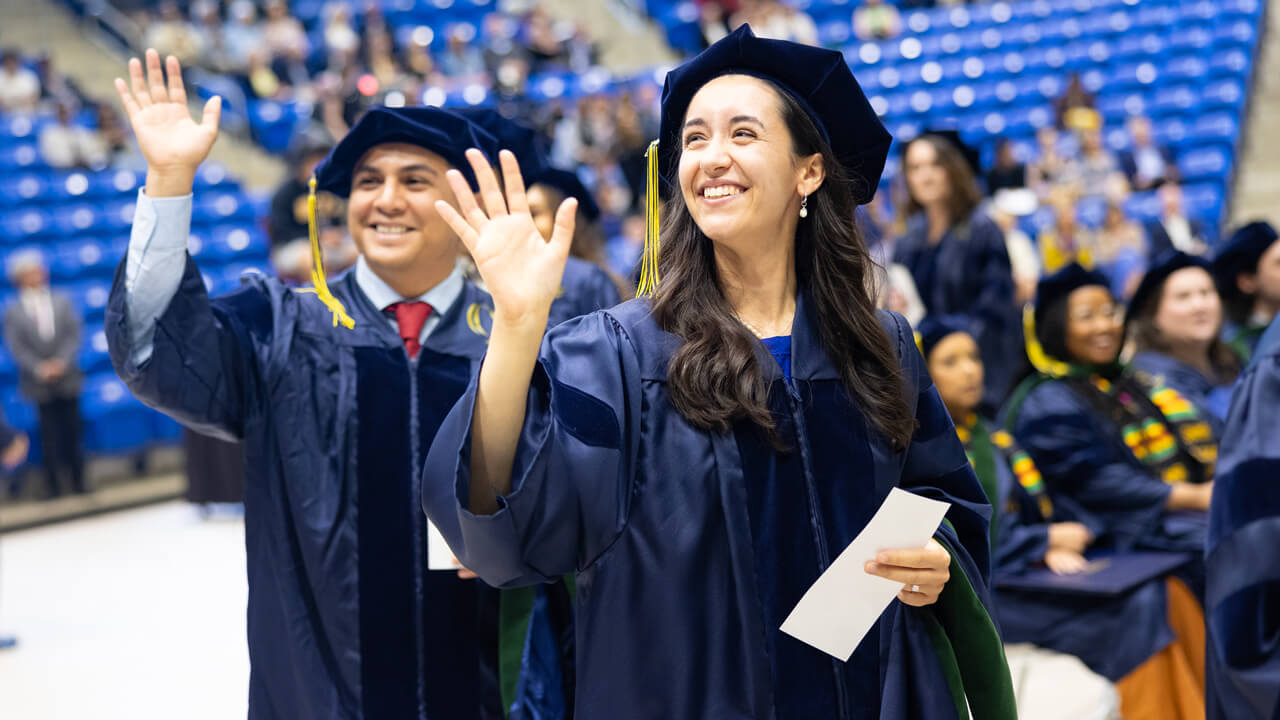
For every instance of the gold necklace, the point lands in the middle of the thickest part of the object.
(749, 326)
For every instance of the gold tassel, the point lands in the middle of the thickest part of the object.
(649, 259)
(317, 265)
(1040, 360)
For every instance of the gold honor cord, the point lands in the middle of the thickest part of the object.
(321, 288)
(649, 259)
(1035, 352)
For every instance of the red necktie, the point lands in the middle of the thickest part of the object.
(410, 317)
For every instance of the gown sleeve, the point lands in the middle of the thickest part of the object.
(1070, 447)
(201, 369)
(573, 469)
(1243, 583)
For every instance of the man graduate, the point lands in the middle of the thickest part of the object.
(1242, 604)
(337, 394)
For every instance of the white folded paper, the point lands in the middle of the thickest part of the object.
(439, 556)
(837, 611)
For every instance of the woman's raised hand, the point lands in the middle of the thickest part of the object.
(521, 268)
(173, 143)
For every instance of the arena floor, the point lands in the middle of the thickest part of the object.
(136, 614)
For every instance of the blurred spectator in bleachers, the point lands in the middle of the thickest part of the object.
(1121, 250)
(1064, 240)
(1146, 164)
(65, 144)
(172, 34)
(876, 20)
(1095, 171)
(624, 250)
(462, 59)
(42, 331)
(1050, 164)
(242, 36)
(956, 254)
(1006, 207)
(1173, 230)
(55, 87)
(117, 142)
(713, 20)
(206, 22)
(1006, 171)
(1072, 107)
(14, 445)
(19, 87)
(773, 19)
(341, 41)
(287, 220)
(283, 34)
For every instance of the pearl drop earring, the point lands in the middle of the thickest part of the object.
(804, 206)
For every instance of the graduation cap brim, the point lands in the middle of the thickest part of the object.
(1241, 253)
(568, 184)
(971, 156)
(933, 328)
(520, 139)
(818, 79)
(442, 132)
(1056, 287)
(1167, 264)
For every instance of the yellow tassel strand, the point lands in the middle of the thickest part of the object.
(1035, 352)
(317, 265)
(649, 260)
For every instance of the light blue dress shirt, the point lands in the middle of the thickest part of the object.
(157, 257)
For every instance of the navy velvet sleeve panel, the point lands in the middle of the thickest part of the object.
(204, 368)
(1071, 448)
(994, 304)
(1243, 568)
(935, 464)
(574, 464)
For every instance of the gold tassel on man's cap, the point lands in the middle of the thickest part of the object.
(317, 265)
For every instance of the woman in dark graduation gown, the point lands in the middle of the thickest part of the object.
(1243, 603)
(1247, 268)
(1133, 456)
(957, 255)
(697, 455)
(336, 410)
(1130, 639)
(1175, 320)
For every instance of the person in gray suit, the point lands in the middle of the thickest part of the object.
(42, 330)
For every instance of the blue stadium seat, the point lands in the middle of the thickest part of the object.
(113, 184)
(239, 242)
(21, 155)
(1232, 62)
(1220, 127)
(1185, 67)
(94, 357)
(84, 258)
(115, 422)
(1170, 131)
(25, 225)
(24, 187)
(1116, 107)
(1193, 39)
(1210, 163)
(1174, 99)
(74, 220)
(1236, 33)
(1226, 94)
(219, 206)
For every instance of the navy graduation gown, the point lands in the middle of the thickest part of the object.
(1210, 399)
(1111, 635)
(585, 289)
(968, 273)
(1243, 603)
(1084, 461)
(344, 620)
(674, 615)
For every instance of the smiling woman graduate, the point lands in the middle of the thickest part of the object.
(701, 454)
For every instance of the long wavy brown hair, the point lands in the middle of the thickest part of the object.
(1141, 328)
(714, 378)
